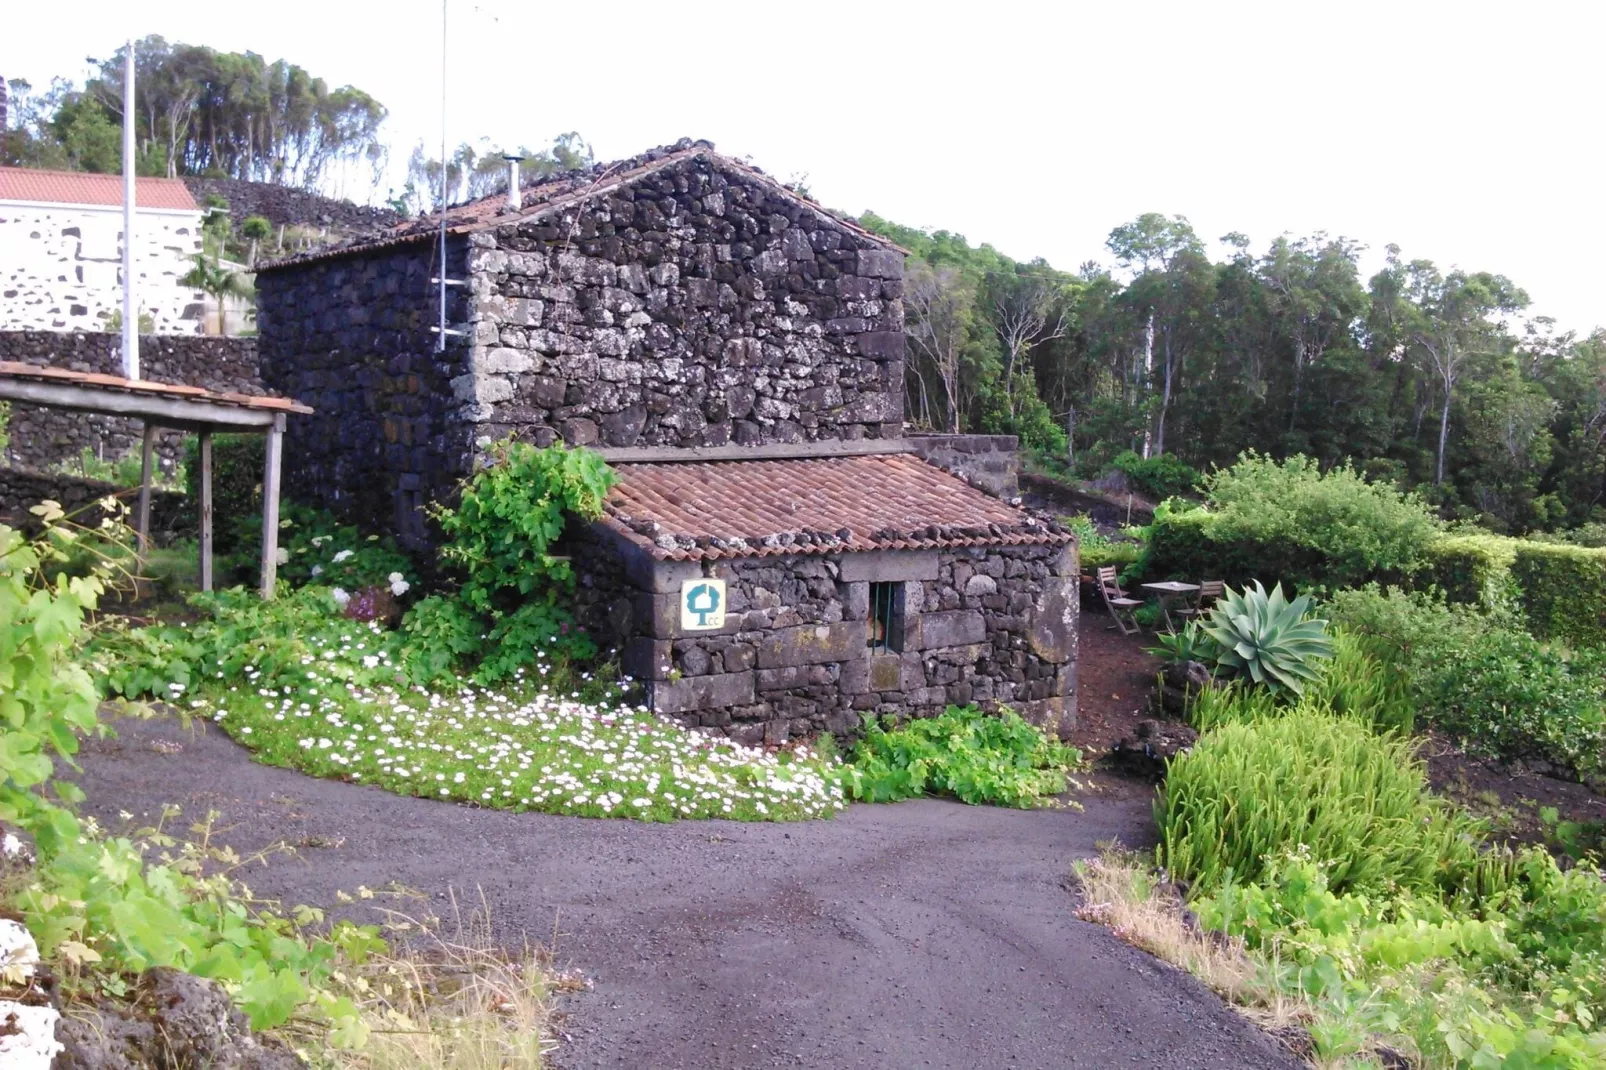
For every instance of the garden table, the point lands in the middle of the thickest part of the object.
(1168, 592)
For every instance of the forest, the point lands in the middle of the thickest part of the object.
(1430, 378)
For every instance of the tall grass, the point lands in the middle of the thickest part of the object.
(1358, 801)
(1352, 684)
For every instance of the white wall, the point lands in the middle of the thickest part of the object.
(61, 267)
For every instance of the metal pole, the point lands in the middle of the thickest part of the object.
(130, 302)
(440, 338)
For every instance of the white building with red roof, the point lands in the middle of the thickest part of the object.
(61, 250)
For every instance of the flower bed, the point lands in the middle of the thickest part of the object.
(519, 748)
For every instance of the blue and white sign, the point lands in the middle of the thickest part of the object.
(702, 605)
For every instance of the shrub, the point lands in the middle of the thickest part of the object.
(1096, 549)
(1159, 477)
(1359, 530)
(1471, 568)
(318, 549)
(502, 531)
(976, 757)
(1482, 678)
(1562, 590)
(1357, 801)
(236, 488)
(1511, 696)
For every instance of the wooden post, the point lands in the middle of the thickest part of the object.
(142, 518)
(270, 506)
(206, 510)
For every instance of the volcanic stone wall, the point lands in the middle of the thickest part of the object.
(350, 336)
(42, 437)
(696, 307)
(21, 490)
(990, 463)
(990, 625)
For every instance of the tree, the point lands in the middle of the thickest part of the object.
(199, 111)
(217, 282)
(939, 302)
(255, 229)
(1028, 309)
(1451, 326)
(474, 173)
(1315, 297)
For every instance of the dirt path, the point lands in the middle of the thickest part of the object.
(925, 934)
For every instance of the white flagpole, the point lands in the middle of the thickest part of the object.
(130, 303)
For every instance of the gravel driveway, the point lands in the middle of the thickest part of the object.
(924, 934)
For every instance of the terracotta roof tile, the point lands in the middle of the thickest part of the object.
(713, 509)
(77, 187)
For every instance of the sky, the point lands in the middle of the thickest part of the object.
(1470, 134)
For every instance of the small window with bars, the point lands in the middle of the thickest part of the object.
(886, 618)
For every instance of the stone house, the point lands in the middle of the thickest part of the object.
(61, 250)
(777, 557)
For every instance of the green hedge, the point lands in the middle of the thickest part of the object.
(236, 485)
(1563, 591)
(1184, 546)
(1560, 589)
(1471, 569)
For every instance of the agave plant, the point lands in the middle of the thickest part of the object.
(1268, 638)
(1188, 644)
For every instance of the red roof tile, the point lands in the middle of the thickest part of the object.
(77, 187)
(713, 509)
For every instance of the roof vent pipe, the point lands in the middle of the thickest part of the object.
(515, 196)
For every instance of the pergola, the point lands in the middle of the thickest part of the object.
(182, 408)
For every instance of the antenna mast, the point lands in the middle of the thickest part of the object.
(130, 303)
(440, 337)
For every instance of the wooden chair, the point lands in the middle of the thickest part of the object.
(1121, 608)
(1209, 591)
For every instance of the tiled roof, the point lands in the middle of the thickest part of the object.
(77, 187)
(713, 509)
(145, 387)
(562, 190)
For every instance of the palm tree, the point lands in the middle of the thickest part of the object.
(217, 282)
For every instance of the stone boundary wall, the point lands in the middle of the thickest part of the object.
(990, 625)
(990, 463)
(294, 207)
(20, 491)
(41, 437)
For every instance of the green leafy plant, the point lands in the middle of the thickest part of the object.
(977, 757)
(1290, 521)
(1266, 637)
(94, 899)
(501, 533)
